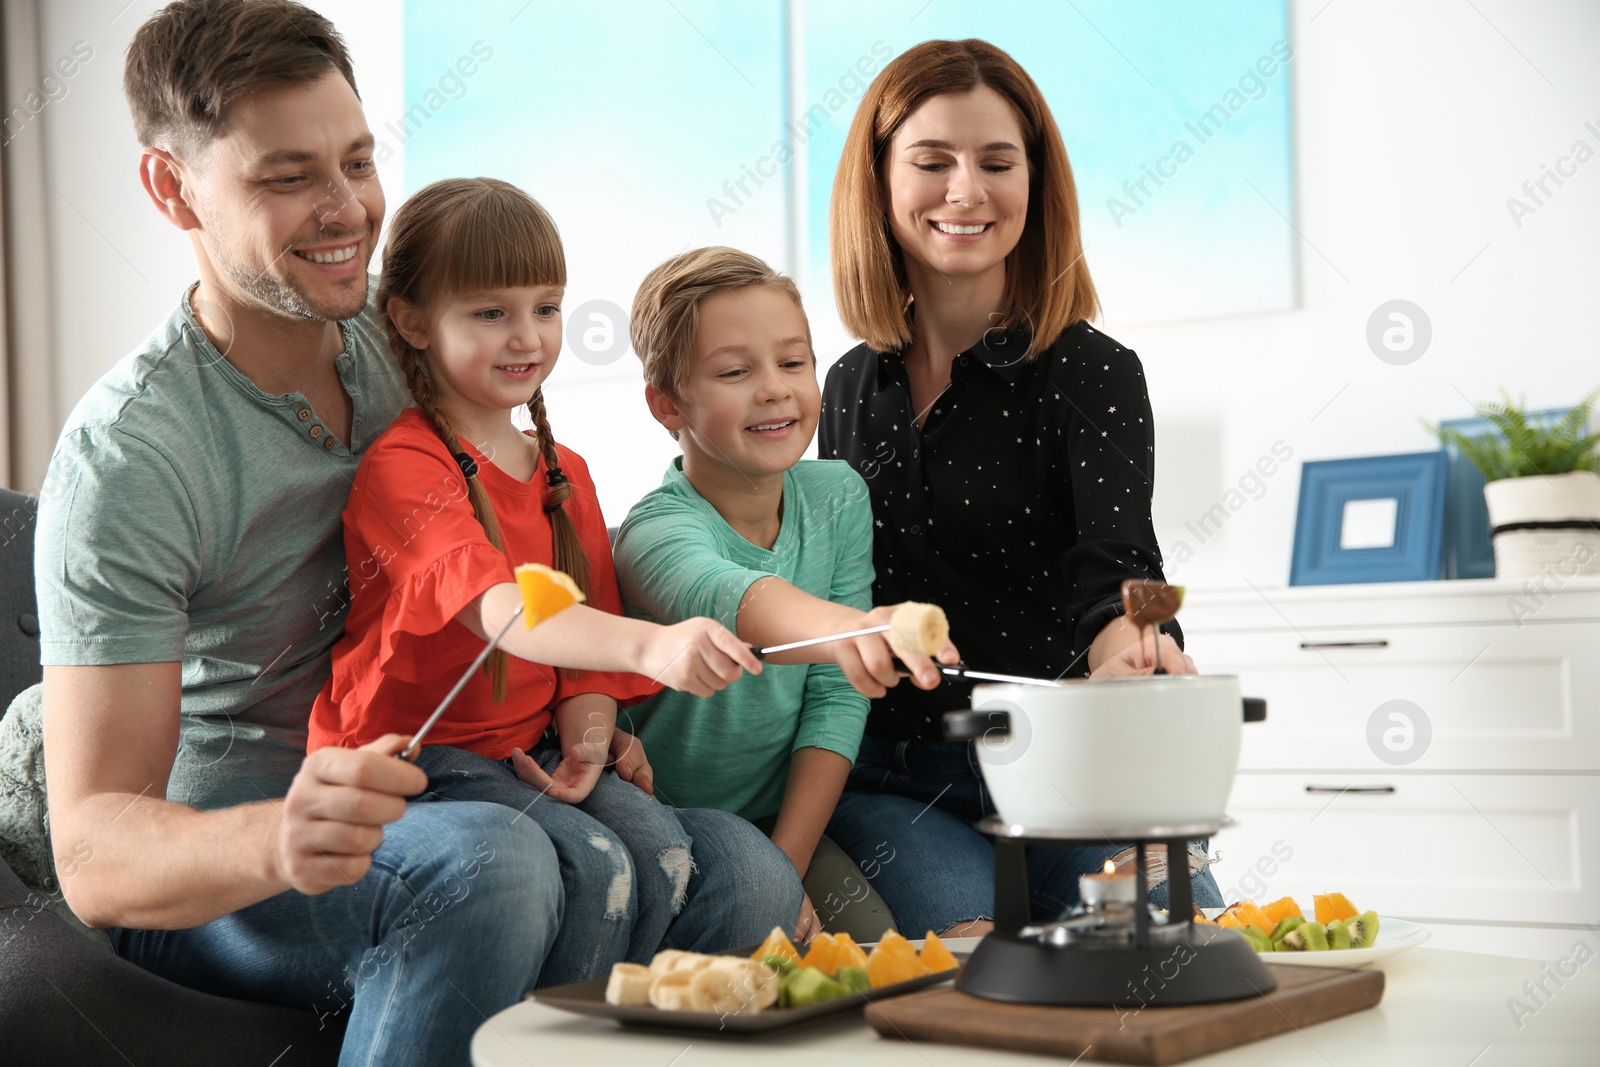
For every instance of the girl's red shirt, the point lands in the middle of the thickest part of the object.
(416, 556)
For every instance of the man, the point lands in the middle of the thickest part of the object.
(191, 582)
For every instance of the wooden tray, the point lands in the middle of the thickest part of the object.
(1305, 996)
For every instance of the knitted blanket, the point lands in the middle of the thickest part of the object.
(24, 819)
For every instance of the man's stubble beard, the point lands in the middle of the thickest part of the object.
(286, 295)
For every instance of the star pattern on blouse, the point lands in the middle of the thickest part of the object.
(993, 520)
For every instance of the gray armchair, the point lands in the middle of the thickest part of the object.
(65, 999)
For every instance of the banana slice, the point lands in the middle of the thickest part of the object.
(693, 961)
(918, 628)
(757, 982)
(629, 985)
(670, 991)
(723, 990)
(663, 961)
(766, 984)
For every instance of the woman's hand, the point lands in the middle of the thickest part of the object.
(868, 661)
(572, 781)
(1140, 658)
(697, 656)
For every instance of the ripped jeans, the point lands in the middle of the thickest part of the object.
(701, 880)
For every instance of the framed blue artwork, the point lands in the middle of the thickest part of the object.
(1467, 552)
(1370, 519)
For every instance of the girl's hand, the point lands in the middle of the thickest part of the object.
(809, 925)
(1140, 658)
(696, 656)
(574, 777)
(628, 760)
(868, 662)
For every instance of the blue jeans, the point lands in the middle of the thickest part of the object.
(451, 924)
(636, 875)
(414, 967)
(906, 819)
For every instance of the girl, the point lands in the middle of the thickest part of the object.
(443, 505)
(1007, 445)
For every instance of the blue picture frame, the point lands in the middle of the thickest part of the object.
(1413, 485)
(1467, 551)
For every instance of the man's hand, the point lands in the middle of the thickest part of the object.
(337, 806)
(697, 656)
(628, 760)
(1140, 658)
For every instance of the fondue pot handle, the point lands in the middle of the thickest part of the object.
(971, 725)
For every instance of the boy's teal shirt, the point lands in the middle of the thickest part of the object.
(677, 558)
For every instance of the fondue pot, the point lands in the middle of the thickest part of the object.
(1108, 756)
(1147, 760)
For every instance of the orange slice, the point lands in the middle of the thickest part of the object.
(1332, 906)
(1246, 913)
(776, 944)
(822, 954)
(850, 954)
(1281, 909)
(935, 956)
(545, 591)
(892, 960)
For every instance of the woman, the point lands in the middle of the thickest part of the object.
(1007, 444)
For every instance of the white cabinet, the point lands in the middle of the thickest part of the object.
(1431, 749)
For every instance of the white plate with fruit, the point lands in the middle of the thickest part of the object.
(1334, 935)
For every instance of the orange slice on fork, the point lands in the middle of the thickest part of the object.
(545, 592)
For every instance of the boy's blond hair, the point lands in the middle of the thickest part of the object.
(666, 310)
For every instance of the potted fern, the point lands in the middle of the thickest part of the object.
(1543, 489)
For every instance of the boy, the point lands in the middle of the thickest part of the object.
(776, 548)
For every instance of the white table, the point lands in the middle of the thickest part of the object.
(1439, 1008)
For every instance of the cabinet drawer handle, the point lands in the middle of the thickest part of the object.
(1382, 642)
(1372, 790)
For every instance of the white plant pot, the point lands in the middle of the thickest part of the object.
(1545, 525)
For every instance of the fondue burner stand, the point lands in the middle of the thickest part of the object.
(1110, 951)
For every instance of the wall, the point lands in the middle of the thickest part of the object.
(1414, 124)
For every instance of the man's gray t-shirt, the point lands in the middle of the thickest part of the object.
(187, 515)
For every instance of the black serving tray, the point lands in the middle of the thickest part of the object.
(589, 998)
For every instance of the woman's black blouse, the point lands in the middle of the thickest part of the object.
(1019, 507)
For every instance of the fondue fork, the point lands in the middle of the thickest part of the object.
(759, 652)
(966, 673)
(956, 671)
(455, 690)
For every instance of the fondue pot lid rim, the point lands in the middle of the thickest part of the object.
(1132, 679)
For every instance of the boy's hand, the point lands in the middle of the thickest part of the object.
(808, 925)
(628, 760)
(868, 662)
(696, 656)
(573, 780)
(337, 806)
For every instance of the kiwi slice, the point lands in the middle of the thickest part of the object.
(1338, 935)
(1284, 926)
(1363, 929)
(1258, 940)
(1307, 937)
